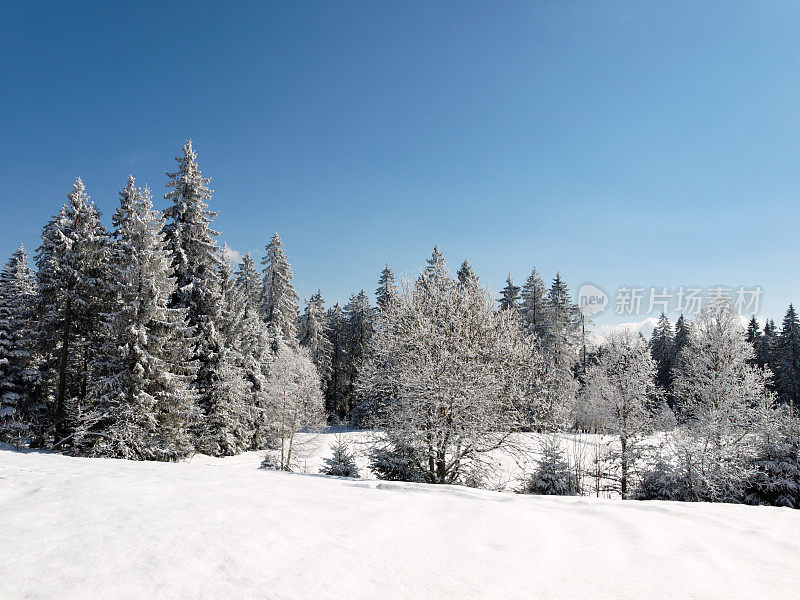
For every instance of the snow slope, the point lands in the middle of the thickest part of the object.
(224, 529)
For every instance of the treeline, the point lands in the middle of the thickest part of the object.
(144, 342)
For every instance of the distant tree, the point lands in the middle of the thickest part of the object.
(387, 288)
(509, 296)
(312, 335)
(466, 274)
(358, 317)
(787, 359)
(662, 352)
(280, 299)
(535, 308)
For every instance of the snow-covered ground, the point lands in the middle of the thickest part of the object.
(224, 529)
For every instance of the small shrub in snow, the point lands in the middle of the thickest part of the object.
(396, 463)
(342, 463)
(553, 476)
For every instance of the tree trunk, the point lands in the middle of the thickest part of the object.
(61, 429)
(623, 481)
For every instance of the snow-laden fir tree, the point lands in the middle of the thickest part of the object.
(387, 288)
(197, 265)
(509, 296)
(255, 350)
(312, 336)
(534, 307)
(140, 387)
(436, 267)
(459, 370)
(622, 386)
(358, 316)
(20, 409)
(228, 417)
(553, 475)
(466, 275)
(661, 351)
(72, 265)
(766, 351)
(787, 360)
(562, 329)
(295, 401)
(683, 333)
(336, 389)
(342, 463)
(279, 303)
(776, 477)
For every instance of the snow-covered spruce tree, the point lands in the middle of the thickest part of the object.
(255, 350)
(387, 288)
(227, 427)
(534, 308)
(753, 334)
(140, 386)
(249, 285)
(197, 263)
(19, 407)
(466, 275)
(683, 333)
(719, 396)
(509, 296)
(661, 343)
(313, 324)
(562, 331)
(787, 360)
(553, 475)
(336, 389)
(452, 363)
(72, 276)
(766, 350)
(342, 463)
(358, 317)
(279, 303)
(295, 401)
(622, 386)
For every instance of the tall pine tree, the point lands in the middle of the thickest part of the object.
(280, 299)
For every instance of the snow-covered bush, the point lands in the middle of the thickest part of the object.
(342, 463)
(553, 475)
(396, 462)
(776, 478)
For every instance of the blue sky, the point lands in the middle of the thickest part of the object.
(624, 144)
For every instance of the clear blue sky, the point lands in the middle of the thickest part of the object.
(631, 143)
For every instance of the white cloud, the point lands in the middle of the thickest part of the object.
(233, 256)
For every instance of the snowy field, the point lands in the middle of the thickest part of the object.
(224, 529)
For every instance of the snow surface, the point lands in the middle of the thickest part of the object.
(224, 529)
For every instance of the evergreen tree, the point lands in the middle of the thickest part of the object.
(312, 334)
(387, 288)
(766, 351)
(228, 417)
(683, 334)
(197, 265)
(535, 309)
(509, 297)
(787, 359)
(661, 351)
(342, 463)
(466, 274)
(358, 331)
(141, 379)
(19, 409)
(72, 261)
(280, 299)
(553, 475)
(255, 350)
(335, 393)
(563, 326)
